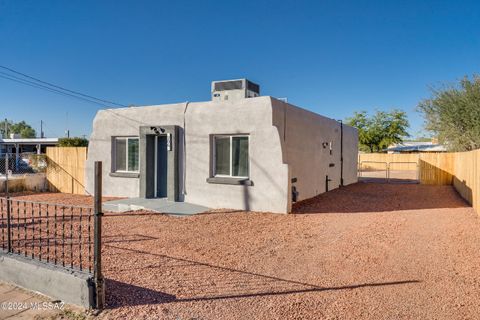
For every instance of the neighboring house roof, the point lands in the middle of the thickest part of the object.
(415, 146)
(30, 141)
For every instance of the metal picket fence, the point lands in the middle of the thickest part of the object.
(65, 236)
(52, 233)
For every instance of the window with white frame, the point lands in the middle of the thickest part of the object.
(126, 152)
(230, 154)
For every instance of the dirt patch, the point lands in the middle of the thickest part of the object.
(374, 252)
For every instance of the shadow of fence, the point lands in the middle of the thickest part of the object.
(59, 179)
(200, 281)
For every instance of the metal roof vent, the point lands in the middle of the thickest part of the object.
(234, 90)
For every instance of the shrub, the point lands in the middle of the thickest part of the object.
(73, 142)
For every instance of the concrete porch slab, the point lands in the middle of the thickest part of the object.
(157, 205)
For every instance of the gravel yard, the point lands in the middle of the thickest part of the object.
(366, 251)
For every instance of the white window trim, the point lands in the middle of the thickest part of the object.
(230, 136)
(126, 154)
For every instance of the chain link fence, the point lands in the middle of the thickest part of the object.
(22, 163)
(23, 172)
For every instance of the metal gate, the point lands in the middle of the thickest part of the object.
(373, 171)
(388, 172)
(403, 172)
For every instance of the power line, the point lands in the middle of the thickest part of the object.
(62, 88)
(72, 94)
(39, 86)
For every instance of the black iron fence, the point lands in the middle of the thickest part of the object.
(54, 233)
(66, 236)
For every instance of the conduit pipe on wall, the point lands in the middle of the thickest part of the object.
(341, 153)
(184, 188)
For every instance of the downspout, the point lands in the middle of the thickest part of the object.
(341, 153)
(184, 188)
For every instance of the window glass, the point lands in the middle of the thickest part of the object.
(120, 155)
(231, 156)
(133, 146)
(240, 156)
(222, 155)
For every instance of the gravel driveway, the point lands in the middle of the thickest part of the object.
(366, 251)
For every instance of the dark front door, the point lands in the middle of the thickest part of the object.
(161, 169)
(159, 162)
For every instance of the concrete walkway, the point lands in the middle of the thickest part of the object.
(157, 205)
(17, 303)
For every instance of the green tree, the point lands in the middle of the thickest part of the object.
(22, 128)
(452, 114)
(377, 132)
(72, 142)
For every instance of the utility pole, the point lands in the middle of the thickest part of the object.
(6, 129)
(41, 129)
(67, 131)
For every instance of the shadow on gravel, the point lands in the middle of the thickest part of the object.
(126, 238)
(121, 294)
(222, 283)
(135, 295)
(381, 197)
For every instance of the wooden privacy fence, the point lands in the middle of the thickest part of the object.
(459, 169)
(466, 177)
(66, 169)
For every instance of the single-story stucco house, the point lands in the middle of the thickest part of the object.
(239, 151)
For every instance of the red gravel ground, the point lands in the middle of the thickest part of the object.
(366, 251)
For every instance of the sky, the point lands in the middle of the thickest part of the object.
(331, 57)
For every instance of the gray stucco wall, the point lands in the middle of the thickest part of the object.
(285, 142)
(202, 119)
(306, 138)
(123, 122)
(269, 175)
